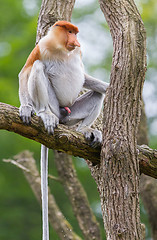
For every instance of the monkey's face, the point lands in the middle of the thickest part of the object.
(67, 38)
(66, 35)
(72, 41)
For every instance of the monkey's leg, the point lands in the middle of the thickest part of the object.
(86, 109)
(43, 96)
(39, 89)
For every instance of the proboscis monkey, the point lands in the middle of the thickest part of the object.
(49, 84)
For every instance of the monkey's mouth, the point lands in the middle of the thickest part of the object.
(71, 47)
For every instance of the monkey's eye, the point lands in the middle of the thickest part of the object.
(70, 31)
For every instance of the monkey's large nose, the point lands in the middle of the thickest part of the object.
(76, 43)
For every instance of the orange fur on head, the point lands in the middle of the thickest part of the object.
(70, 42)
(67, 25)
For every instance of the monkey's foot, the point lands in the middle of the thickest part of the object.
(26, 112)
(94, 136)
(50, 120)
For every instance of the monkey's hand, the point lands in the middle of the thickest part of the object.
(26, 112)
(50, 120)
(94, 136)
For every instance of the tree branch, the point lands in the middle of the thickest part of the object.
(26, 162)
(68, 141)
(77, 196)
(64, 140)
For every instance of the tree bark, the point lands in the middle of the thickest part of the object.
(119, 183)
(148, 190)
(50, 12)
(27, 163)
(148, 186)
(118, 174)
(77, 197)
(68, 141)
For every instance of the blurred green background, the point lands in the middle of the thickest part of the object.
(20, 215)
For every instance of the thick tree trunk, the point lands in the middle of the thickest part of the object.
(148, 185)
(119, 183)
(52, 11)
(149, 198)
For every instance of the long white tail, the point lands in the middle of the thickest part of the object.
(44, 191)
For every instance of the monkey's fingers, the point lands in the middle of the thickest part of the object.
(26, 113)
(88, 135)
(32, 113)
(50, 121)
(27, 119)
(94, 137)
(97, 138)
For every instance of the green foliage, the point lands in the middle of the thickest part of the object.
(20, 212)
(17, 38)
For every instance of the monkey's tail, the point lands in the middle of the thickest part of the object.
(44, 191)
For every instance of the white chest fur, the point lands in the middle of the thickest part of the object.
(67, 78)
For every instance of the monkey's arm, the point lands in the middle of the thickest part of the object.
(26, 109)
(95, 84)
